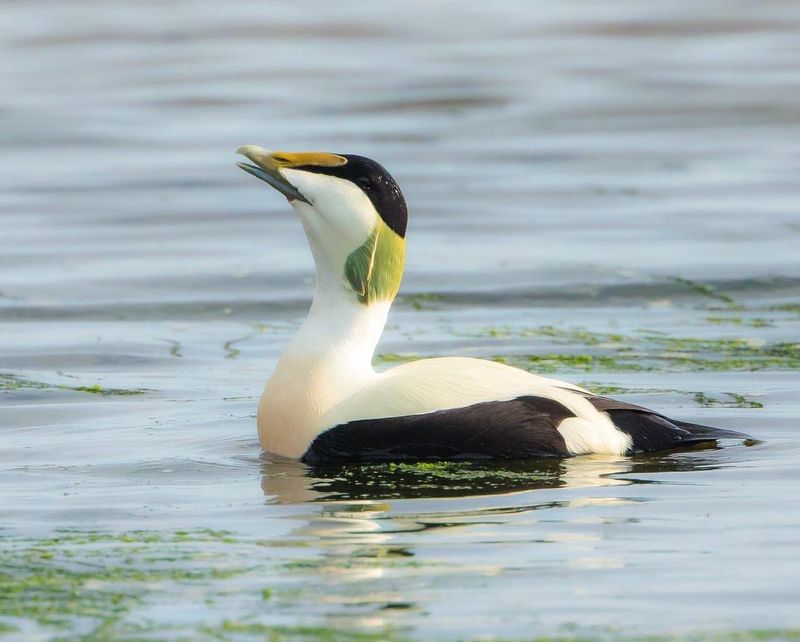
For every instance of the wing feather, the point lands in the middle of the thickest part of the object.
(516, 429)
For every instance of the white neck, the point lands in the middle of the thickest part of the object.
(339, 330)
(328, 359)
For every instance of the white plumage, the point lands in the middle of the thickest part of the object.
(325, 378)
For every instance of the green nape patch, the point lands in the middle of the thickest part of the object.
(10, 382)
(375, 269)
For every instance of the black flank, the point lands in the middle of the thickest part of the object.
(520, 428)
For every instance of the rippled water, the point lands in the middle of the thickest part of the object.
(606, 191)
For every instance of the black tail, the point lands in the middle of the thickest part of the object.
(650, 431)
(709, 432)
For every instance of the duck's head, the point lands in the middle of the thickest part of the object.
(353, 212)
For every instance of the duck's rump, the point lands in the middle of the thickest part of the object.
(522, 428)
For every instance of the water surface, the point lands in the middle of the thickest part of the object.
(603, 191)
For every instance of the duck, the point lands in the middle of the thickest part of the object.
(325, 403)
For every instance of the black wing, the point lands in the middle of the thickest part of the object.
(520, 428)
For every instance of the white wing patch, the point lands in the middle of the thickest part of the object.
(597, 435)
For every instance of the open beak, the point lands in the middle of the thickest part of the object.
(267, 166)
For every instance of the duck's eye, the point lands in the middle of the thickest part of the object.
(364, 183)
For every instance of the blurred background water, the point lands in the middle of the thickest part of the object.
(604, 190)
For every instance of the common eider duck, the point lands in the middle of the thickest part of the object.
(324, 402)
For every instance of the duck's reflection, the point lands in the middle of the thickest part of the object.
(364, 528)
(289, 482)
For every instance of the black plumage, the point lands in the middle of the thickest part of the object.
(371, 178)
(651, 431)
(520, 428)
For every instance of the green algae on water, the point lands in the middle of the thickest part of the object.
(555, 362)
(10, 382)
(559, 335)
(610, 389)
(96, 586)
(731, 400)
(394, 357)
(734, 400)
(97, 389)
(243, 630)
(423, 300)
(757, 322)
(706, 290)
(86, 580)
(651, 351)
(230, 351)
(175, 348)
